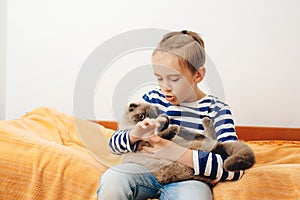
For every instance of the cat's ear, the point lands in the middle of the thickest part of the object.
(207, 123)
(132, 107)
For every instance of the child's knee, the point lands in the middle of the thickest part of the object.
(113, 177)
(108, 183)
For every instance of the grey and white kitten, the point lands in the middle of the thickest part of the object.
(239, 155)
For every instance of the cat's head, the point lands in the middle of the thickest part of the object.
(139, 111)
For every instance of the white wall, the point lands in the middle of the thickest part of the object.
(253, 44)
(3, 8)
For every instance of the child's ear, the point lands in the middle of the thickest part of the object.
(199, 74)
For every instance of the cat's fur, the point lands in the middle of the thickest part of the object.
(240, 156)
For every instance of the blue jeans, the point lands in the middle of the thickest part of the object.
(133, 181)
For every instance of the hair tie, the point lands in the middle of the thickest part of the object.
(184, 32)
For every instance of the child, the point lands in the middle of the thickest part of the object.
(178, 64)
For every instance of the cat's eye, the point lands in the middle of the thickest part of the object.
(141, 117)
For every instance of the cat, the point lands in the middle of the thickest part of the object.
(239, 155)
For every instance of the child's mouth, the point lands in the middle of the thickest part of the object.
(170, 98)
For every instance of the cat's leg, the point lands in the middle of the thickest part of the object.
(178, 172)
(173, 173)
(185, 134)
(163, 124)
(190, 135)
(169, 133)
(240, 155)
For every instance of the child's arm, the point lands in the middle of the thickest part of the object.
(223, 124)
(120, 143)
(210, 164)
(123, 141)
(204, 163)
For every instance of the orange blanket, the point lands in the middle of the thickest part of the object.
(43, 156)
(276, 174)
(50, 155)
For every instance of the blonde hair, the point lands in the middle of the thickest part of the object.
(187, 45)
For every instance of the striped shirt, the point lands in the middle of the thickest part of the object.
(189, 115)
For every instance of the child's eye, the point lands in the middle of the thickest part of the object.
(174, 79)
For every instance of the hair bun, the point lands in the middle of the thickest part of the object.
(184, 31)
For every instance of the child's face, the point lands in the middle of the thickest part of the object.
(177, 82)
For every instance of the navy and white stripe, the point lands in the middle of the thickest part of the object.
(119, 143)
(190, 116)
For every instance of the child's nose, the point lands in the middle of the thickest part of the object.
(166, 86)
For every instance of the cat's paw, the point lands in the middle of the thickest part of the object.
(219, 148)
(169, 133)
(238, 163)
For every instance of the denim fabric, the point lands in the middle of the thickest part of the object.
(133, 181)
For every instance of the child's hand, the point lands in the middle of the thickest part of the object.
(164, 149)
(144, 129)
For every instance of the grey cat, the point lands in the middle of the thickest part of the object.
(239, 155)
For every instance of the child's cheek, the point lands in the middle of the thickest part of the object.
(182, 89)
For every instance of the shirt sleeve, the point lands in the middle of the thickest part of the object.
(210, 164)
(224, 125)
(119, 142)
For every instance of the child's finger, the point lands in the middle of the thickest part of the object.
(150, 150)
(145, 123)
(156, 123)
(142, 124)
(162, 119)
(154, 139)
(153, 123)
(148, 121)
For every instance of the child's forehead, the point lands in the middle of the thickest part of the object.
(168, 63)
(160, 70)
(163, 55)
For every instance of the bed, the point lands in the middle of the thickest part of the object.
(49, 155)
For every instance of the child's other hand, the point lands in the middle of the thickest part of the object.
(164, 149)
(144, 129)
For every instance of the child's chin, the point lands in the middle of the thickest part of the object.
(175, 103)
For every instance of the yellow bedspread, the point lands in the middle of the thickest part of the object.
(44, 155)
(276, 174)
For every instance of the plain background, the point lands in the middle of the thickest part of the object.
(253, 44)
